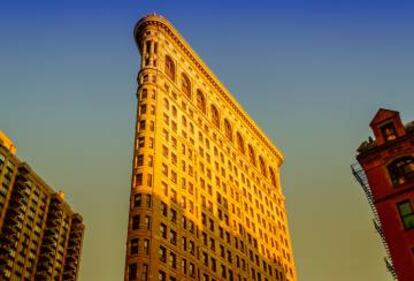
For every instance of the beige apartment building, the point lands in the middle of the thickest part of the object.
(40, 236)
(206, 202)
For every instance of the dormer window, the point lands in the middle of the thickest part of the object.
(388, 132)
(401, 170)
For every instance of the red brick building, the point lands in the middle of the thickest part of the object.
(386, 173)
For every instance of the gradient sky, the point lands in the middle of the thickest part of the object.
(311, 73)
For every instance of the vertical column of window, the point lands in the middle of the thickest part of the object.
(58, 270)
(73, 249)
(146, 53)
(144, 141)
(4, 186)
(149, 53)
(139, 242)
(171, 212)
(14, 226)
(192, 175)
(30, 235)
(49, 257)
(2, 161)
(7, 179)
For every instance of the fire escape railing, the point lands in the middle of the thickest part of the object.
(362, 179)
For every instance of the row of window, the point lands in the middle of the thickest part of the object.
(172, 175)
(210, 243)
(174, 140)
(170, 258)
(173, 158)
(201, 152)
(170, 71)
(228, 132)
(221, 200)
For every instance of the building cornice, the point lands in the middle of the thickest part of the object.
(168, 28)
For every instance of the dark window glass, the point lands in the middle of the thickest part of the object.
(401, 170)
(137, 200)
(406, 213)
(135, 222)
(134, 246)
(133, 268)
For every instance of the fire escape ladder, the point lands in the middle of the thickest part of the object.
(362, 179)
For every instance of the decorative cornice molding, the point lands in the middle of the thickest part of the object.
(162, 23)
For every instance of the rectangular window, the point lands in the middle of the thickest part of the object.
(174, 177)
(143, 109)
(164, 188)
(162, 276)
(192, 269)
(174, 195)
(142, 125)
(213, 264)
(138, 179)
(148, 222)
(148, 200)
(165, 151)
(137, 200)
(146, 246)
(405, 209)
(135, 222)
(173, 214)
(173, 237)
(133, 268)
(140, 160)
(164, 209)
(163, 254)
(134, 246)
(184, 243)
(173, 260)
(163, 231)
(141, 142)
(145, 272)
(164, 170)
(184, 266)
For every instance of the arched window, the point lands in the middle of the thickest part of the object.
(252, 156)
(215, 117)
(272, 177)
(227, 130)
(401, 170)
(169, 67)
(186, 85)
(201, 101)
(240, 142)
(262, 166)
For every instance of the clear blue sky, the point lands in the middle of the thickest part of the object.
(311, 73)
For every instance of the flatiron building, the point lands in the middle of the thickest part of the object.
(206, 201)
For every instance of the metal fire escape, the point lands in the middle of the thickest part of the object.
(362, 179)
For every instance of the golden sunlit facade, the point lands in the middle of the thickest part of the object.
(206, 201)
